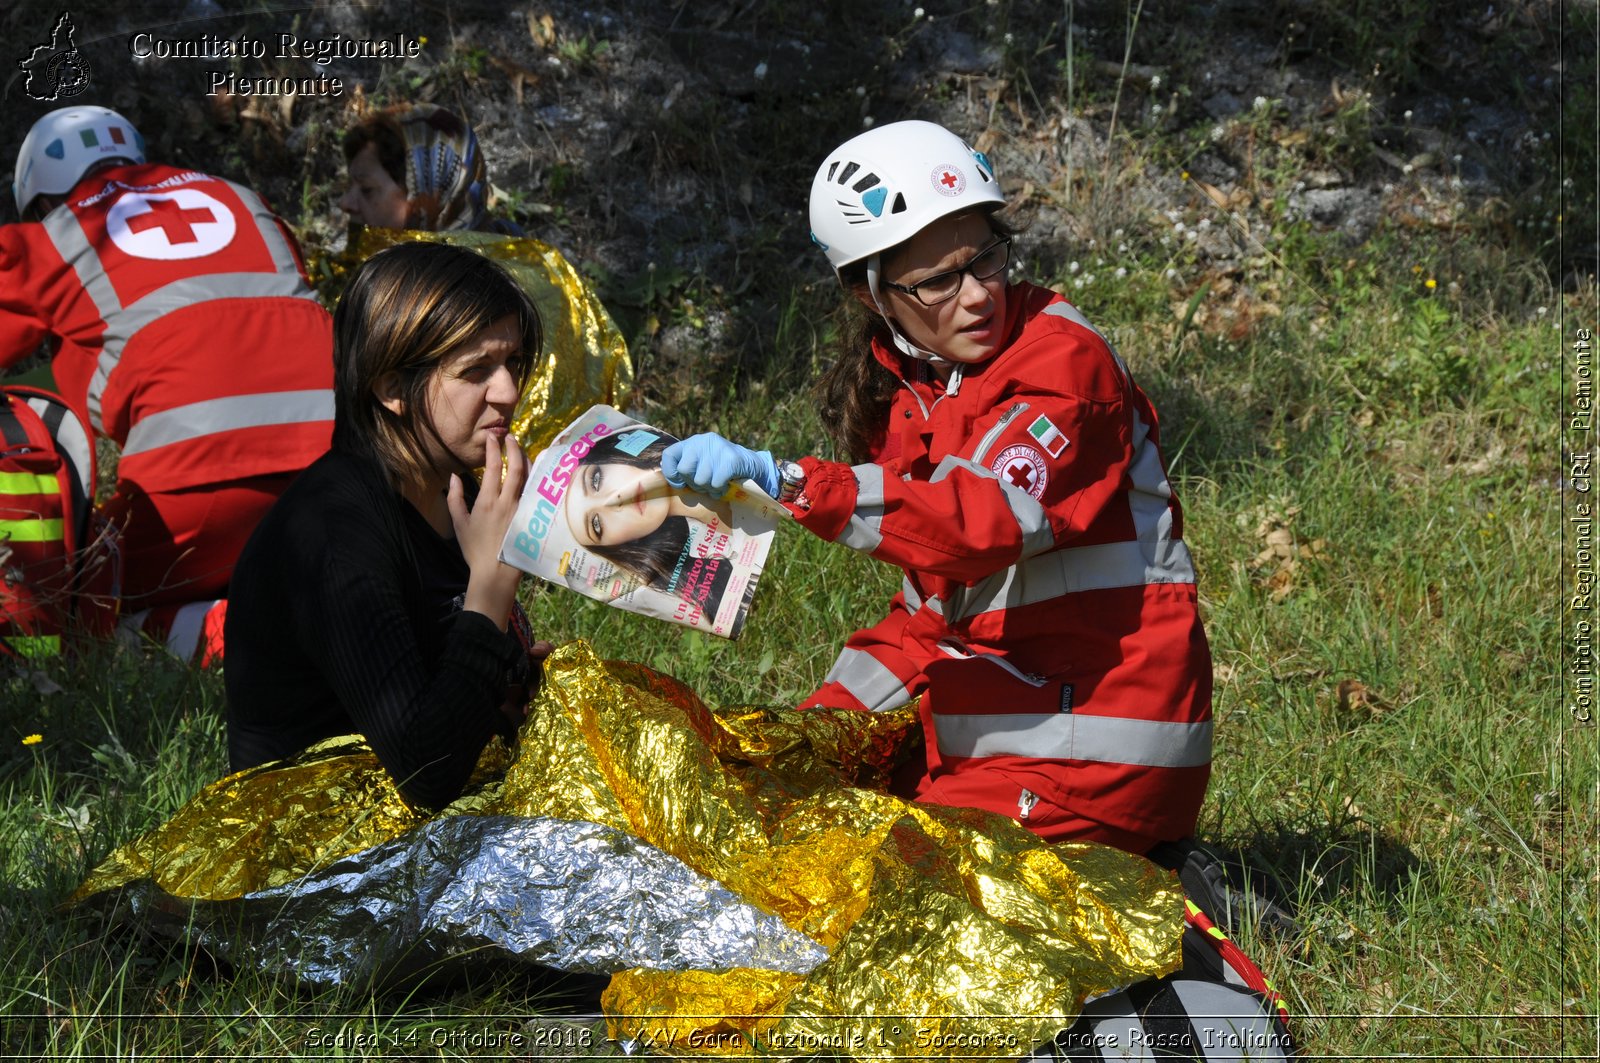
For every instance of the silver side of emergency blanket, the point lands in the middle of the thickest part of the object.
(573, 896)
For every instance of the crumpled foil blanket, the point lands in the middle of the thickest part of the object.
(575, 896)
(584, 360)
(947, 933)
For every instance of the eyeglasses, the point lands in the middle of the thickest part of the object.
(931, 291)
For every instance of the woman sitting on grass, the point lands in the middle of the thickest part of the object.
(371, 597)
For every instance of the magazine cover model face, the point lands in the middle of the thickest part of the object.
(612, 503)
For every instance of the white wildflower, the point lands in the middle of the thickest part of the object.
(761, 71)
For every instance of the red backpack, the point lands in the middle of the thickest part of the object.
(57, 570)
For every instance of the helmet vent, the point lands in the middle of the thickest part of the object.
(866, 182)
(899, 204)
(849, 171)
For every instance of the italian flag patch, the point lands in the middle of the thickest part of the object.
(1049, 436)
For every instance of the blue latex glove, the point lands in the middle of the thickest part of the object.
(707, 463)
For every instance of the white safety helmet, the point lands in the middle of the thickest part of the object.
(879, 189)
(66, 144)
(883, 187)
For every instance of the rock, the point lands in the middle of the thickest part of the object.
(1354, 211)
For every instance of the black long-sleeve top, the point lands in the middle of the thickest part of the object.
(343, 617)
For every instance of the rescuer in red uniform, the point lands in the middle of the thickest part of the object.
(1005, 460)
(180, 322)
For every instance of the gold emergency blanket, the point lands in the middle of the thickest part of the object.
(949, 933)
(585, 359)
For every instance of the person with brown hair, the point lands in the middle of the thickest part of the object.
(418, 167)
(371, 599)
(1005, 460)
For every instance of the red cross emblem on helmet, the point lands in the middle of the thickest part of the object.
(948, 180)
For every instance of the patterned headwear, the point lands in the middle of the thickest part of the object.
(446, 179)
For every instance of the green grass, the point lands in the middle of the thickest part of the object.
(1434, 830)
(1390, 743)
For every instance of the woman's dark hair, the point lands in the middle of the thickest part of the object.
(383, 132)
(654, 558)
(855, 392)
(408, 308)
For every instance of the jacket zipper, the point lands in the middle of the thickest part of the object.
(994, 433)
(961, 651)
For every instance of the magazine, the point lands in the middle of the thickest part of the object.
(598, 517)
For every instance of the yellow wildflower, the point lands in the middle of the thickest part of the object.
(32, 740)
(1430, 284)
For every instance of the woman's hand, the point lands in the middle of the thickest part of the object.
(491, 584)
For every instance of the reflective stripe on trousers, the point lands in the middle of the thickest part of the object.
(867, 680)
(1075, 736)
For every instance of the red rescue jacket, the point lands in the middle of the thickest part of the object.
(1048, 614)
(186, 330)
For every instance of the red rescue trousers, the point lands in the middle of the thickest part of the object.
(180, 546)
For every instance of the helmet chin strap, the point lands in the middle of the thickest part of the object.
(900, 340)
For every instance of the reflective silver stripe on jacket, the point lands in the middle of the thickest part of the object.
(1152, 556)
(191, 291)
(865, 530)
(123, 323)
(67, 236)
(1025, 509)
(1068, 571)
(1074, 315)
(182, 423)
(1075, 736)
(868, 681)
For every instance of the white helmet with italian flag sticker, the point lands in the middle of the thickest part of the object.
(66, 144)
(881, 188)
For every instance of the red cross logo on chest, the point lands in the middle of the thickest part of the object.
(176, 223)
(1021, 475)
